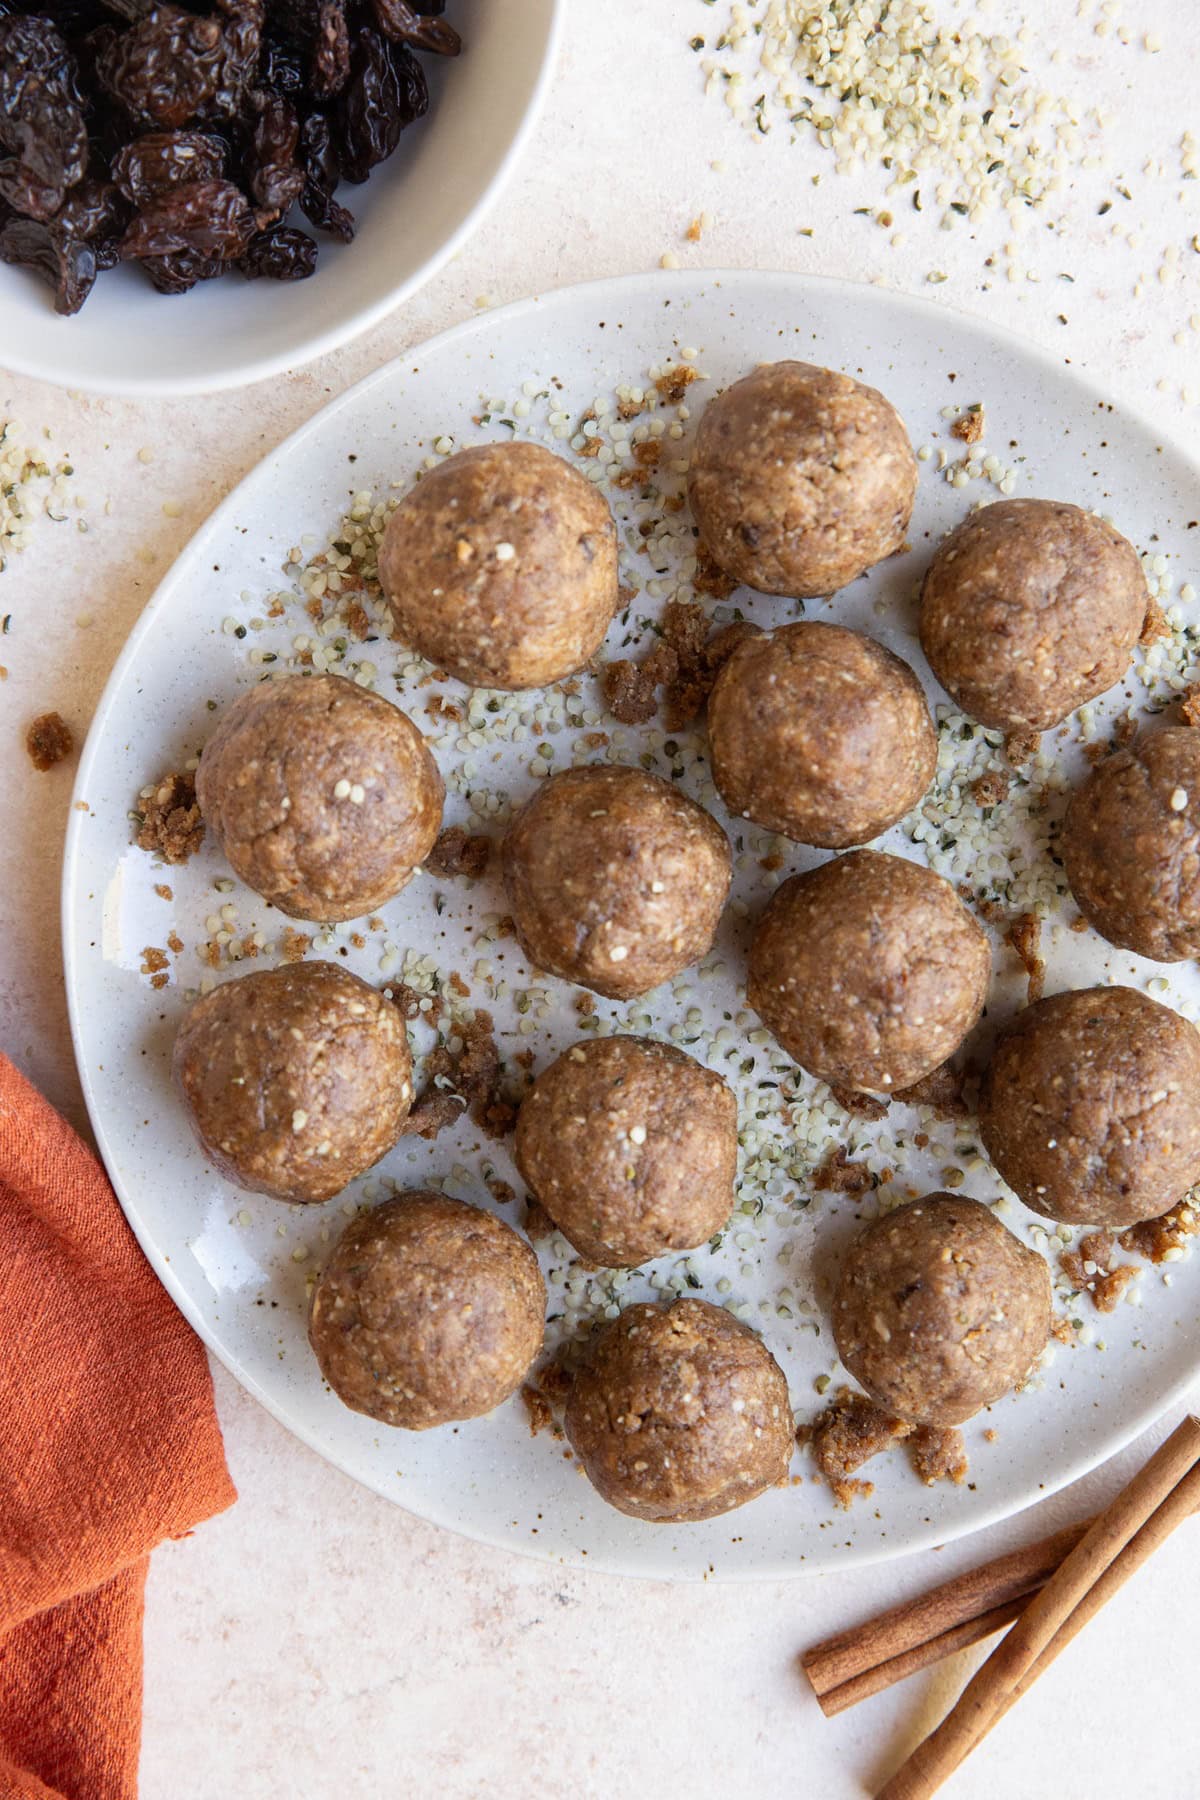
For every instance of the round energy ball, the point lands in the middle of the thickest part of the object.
(501, 566)
(631, 1147)
(1029, 608)
(821, 734)
(616, 880)
(800, 479)
(1090, 1107)
(1131, 846)
(939, 1309)
(321, 794)
(680, 1413)
(295, 1079)
(869, 970)
(428, 1310)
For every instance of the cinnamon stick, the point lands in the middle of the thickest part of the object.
(848, 1667)
(1154, 1502)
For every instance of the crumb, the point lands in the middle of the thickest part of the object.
(1079, 924)
(538, 1223)
(1125, 730)
(154, 964)
(1189, 707)
(695, 231)
(459, 852)
(585, 1005)
(1062, 1330)
(990, 788)
(968, 427)
(458, 986)
(941, 1090)
(431, 1111)
(170, 824)
(865, 1106)
(1025, 937)
(294, 946)
(1089, 1267)
(1154, 625)
(502, 1192)
(938, 1454)
(48, 740)
(838, 1176)
(630, 689)
(438, 707)
(1155, 1239)
(847, 1434)
(538, 1408)
(710, 578)
(991, 1435)
(476, 1075)
(163, 891)
(674, 383)
(1021, 747)
(1098, 750)
(357, 620)
(408, 1002)
(210, 953)
(175, 943)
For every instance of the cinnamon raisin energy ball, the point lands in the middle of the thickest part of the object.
(1131, 846)
(800, 479)
(680, 1413)
(631, 1147)
(869, 970)
(616, 880)
(321, 794)
(821, 734)
(939, 1309)
(1029, 608)
(501, 566)
(295, 1079)
(1090, 1107)
(428, 1310)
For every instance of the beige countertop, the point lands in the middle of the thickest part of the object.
(317, 1641)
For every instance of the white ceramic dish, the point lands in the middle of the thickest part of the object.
(413, 214)
(237, 1265)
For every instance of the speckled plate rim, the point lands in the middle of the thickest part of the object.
(611, 291)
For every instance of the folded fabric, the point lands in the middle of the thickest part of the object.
(109, 1443)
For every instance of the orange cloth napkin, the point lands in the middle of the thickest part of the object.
(109, 1443)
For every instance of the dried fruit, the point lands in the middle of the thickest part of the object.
(281, 254)
(161, 160)
(41, 124)
(210, 217)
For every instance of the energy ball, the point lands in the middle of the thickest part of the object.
(1131, 845)
(1029, 608)
(801, 479)
(1090, 1107)
(680, 1413)
(428, 1310)
(821, 734)
(616, 880)
(295, 1079)
(501, 566)
(939, 1309)
(631, 1147)
(869, 970)
(321, 794)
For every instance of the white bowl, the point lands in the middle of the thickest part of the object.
(413, 214)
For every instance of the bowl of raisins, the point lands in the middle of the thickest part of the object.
(197, 195)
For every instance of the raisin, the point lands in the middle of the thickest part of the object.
(211, 217)
(172, 67)
(67, 262)
(281, 254)
(418, 26)
(318, 158)
(179, 272)
(160, 160)
(331, 55)
(41, 123)
(383, 96)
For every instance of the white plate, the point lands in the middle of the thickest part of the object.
(412, 215)
(237, 1265)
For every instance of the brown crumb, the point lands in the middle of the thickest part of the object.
(938, 1453)
(864, 1106)
(357, 621)
(1025, 937)
(1089, 1267)
(1154, 625)
(458, 986)
(1021, 747)
(408, 1000)
(459, 852)
(48, 740)
(585, 1005)
(502, 1192)
(1062, 1330)
(538, 1223)
(1098, 749)
(684, 663)
(538, 1407)
(847, 1434)
(175, 943)
(294, 946)
(171, 826)
(695, 231)
(710, 578)
(630, 689)
(968, 427)
(941, 1090)
(438, 707)
(476, 1073)
(1189, 707)
(629, 408)
(211, 953)
(1125, 730)
(432, 1110)
(990, 788)
(838, 1176)
(1156, 1238)
(1079, 924)
(154, 964)
(991, 1435)
(163, 891)
(674, 383)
